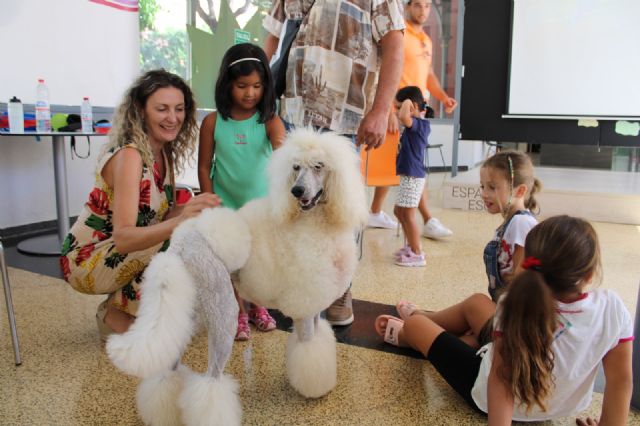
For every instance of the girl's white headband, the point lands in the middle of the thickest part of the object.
(242, 60)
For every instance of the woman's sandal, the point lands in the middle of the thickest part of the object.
(103, 328)
(389, 328)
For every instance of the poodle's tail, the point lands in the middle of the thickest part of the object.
(165, 321)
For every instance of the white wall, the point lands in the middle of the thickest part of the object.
(87, 50)
(470, 153)
(27, 187)
(80, 48)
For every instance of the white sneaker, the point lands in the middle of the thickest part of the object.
(434, 229)
(381, 220)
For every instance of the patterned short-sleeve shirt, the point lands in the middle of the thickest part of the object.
(333, 65)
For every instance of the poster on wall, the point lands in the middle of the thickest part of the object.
(126, 5)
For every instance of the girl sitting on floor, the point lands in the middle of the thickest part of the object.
(549, 336)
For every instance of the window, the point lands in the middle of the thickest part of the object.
(189, 37)
(443, 29)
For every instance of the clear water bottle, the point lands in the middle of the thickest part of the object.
(16, 115)
(86, 116)
(43, 109)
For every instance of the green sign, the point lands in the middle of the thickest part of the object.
(241, 36)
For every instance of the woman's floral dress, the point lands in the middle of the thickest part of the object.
(90, 262)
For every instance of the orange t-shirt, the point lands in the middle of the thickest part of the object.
(418, 49)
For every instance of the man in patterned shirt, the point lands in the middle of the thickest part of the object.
(342, 74)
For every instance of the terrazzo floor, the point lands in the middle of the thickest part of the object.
(67, 379)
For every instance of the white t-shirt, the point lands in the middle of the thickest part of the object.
(587, 330)
(515, 234)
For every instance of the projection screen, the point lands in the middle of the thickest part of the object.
(575, 58)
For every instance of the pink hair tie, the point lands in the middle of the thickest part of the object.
(531, 263)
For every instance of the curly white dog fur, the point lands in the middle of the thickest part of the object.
(294, 251)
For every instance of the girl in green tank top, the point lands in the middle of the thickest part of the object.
(236, 142)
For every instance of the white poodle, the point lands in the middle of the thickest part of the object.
(294, 251)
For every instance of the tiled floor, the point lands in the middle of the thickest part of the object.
(66, 378)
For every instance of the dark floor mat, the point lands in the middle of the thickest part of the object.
(361, 333)
(44, 265)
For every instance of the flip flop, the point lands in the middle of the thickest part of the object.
(392, 327)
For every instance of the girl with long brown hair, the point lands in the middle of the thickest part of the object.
(550, 335)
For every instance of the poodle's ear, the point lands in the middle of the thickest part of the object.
(284, 207)
(345, 196)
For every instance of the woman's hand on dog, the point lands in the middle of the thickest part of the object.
(196, 204)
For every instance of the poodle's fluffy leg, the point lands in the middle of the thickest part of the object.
(157, 397)
(157, 338)
(216, 300)
(212, 399)
(311, 357)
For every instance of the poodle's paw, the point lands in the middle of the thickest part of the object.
(311, 365)
(157, 397)
(209, 401)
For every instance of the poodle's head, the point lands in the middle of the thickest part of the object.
(314, 170)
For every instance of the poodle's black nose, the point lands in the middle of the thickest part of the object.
(297, 191)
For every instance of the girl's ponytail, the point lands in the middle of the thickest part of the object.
(561, 254)
(527, 323)
(531, 202)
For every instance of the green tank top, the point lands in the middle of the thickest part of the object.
(239, 164)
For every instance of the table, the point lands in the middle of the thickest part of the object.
(51, 244)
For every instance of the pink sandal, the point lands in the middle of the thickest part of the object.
(405, 309)
(261, 318)
(389, 328)
(243, 333)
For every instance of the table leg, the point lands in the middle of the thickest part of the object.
(50, 245)
(60, 177)
(9, 301)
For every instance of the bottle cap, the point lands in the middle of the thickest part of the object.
(14, 99)
(86, 98)
(41, 80)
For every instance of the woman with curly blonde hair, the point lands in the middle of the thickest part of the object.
(131, 210)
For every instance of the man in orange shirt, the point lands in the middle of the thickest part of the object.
(417, 71)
